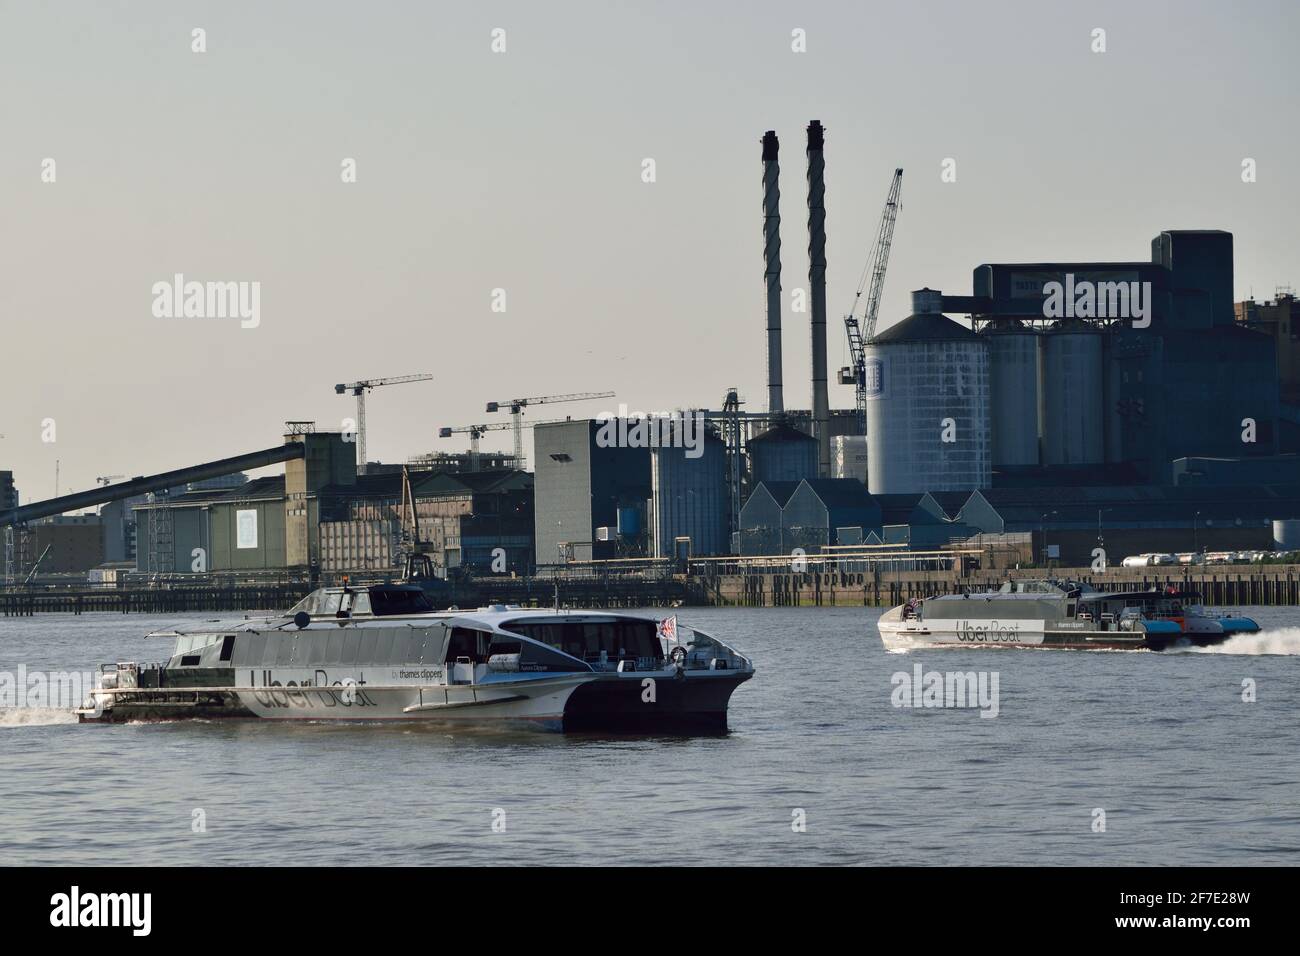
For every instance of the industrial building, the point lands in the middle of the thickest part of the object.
(810, 514)
(1116, 392)
(591, 500)
(1149, 387)
(1063, 400)
(1060, 525)
(322, 515)
(688, 500)
(465, 520)
(1280, 320)
(58, 544)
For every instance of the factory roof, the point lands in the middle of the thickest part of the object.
(924, 327)
(840, 492)
(779, 490)
(782, 432)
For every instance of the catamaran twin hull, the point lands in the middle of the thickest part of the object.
(1064, 615)
(379, 654)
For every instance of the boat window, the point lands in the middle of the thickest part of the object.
(385, 602)
(331, 603)
(228, 647)
(535, 657)
(310, 604)
(361, 603)
(465, 642)
(587, 641)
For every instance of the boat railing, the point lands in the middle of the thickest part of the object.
(729, 659)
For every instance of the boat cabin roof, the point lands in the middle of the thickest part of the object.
(1156, 595)
(377, 600)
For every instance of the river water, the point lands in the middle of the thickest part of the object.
(820, 766)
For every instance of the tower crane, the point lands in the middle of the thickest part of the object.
(517, 406)
(475, 432)
(861, 333)
(359, 389)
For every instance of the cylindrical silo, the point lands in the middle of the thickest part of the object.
(927, 405)
(1286, 534)
(690, 497)
(782, 453)
(1013, 392)
(1070, 389)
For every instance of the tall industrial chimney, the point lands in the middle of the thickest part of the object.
(821, 410)
(772, 268)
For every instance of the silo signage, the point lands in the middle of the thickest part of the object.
(874, 375)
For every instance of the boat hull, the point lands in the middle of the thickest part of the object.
(692, 702)
(537, 703)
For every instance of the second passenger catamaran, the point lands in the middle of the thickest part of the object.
(1059, 614)
(383, 653)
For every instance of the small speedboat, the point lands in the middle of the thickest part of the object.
(1059, 614)
(381, 653)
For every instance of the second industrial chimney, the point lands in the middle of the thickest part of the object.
(772, 268)
(821, 412)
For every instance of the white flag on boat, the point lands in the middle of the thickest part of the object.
(668, 629)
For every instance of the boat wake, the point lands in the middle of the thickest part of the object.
(1283, 641)
(35, 716)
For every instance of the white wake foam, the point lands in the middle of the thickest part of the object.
(35, 716)
(1283, 640)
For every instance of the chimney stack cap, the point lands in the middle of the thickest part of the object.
(816, 135)
(770, 146)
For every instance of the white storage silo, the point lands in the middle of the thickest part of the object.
(927, 404)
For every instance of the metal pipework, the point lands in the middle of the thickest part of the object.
(772, 267)
(821, 411)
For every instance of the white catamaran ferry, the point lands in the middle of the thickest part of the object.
(1059, 614)
(382, 653)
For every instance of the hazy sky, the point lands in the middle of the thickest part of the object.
(522, 171)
